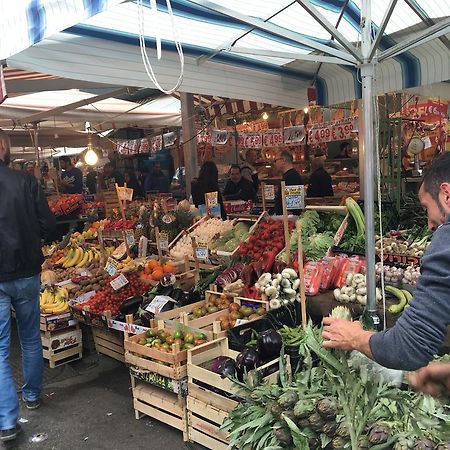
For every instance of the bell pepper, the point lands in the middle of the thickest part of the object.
(269, 259)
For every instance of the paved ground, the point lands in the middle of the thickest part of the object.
(88, 406)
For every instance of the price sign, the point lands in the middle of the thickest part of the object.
(111, 266)
(125, 194)
(295, 197)
(241, 322)
(202, 251)
(269, 192)
(273, 138)
(164, 241)
(158, 303)
(211, 199)
(142, 248)
(294, 135)
(129, 237)
(119, 282)
(84, 297)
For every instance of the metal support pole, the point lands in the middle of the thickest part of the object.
(189, 142)
(367, 74)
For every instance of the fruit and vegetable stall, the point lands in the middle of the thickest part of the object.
(207, 315)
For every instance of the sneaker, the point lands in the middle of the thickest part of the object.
(11, 434)
(32, 404)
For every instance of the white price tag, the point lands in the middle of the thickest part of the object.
(85, 297)
(269, 192)
(119, 282)
(125, 194)
(164, 241)
(143, 246)
(158, 303)
(129, 237)
(202, 251)
(63, 283)
(295, 197)
(111, 266)
(241, 322)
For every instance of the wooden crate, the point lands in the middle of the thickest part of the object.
(159, 404)
(170, 365)
(63, 346)
(109, 343)
(209, 324)
(208, 401)
(53, 322)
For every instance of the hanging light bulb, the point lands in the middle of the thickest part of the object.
(306, 110)
(265, 116)
(90, 157)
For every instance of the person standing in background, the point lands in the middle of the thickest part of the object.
(238, 187)
(133, 183)
(248, 170)
(91, 180)
(110, 177)
(71, 177)
(285, 165)
(157, 181)
(25, 219)
(320, 184)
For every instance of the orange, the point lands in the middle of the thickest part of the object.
(169, 268)
(157, 274)
(153, 264)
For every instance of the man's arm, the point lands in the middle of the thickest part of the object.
(46, 219)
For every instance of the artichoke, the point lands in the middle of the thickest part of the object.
(404, 444)
(288, 399)
(330, 428)
(339, 443)
(274, 408)
(288, 413)
(363, 443)
(303, 423)
(342, 430)
(443, 446)
(316, 422)
(327, 408)
(284, 437)
(304, 408)
(341, 312)
(424, 444)
(314, 444)
(379, 434)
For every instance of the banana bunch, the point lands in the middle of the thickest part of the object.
(78, 257)
(54, 300)
(126, 263)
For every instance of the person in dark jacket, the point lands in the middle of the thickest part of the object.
(25, 219)
(91, 180)
(207, 181)
(421, 329)
(248, 170)
(110, 176)
(157, 181)
(71, 177)
(133, 183)
(285, 165)
(320, 184)
(238, 187)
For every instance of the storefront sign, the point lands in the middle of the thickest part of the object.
(295, 197)
(273, 138)
(294, 135)
(219, 137)
(332, 131)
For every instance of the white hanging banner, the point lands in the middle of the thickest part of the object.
(219, 137)
(169, 138)
(273, 137)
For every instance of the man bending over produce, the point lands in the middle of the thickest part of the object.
(420, 331)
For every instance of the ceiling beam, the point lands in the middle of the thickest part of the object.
(39, 117)
(439, 29)
(274, 29)
(426, 20)
(382, 28)
(323, 21)
(288, 55)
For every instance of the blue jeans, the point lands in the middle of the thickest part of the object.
(23, 295)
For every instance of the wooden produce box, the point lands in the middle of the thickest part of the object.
(109, 342)
(159, 404)
(62, 346)
(52, 322)
(171, 365)
(210, 397)
(210, 323)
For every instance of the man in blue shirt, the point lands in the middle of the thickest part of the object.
(71, 177)
(421, 329)
(157, 181)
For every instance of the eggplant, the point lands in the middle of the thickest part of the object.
(224, 366)
(247, 360)
(177, 294)
(143, 317)
(131, 305)
(190, 297)
(269, 344)
(165, 290)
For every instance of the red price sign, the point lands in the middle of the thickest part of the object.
(273, 138)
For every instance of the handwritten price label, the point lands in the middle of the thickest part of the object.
(125, 194)
(202, 251)
(129, 237)
(295, 197)
(294, 135)
(269, 192)
(273, 138)
(157, 304)
(332, 131)
(111, 266)
(164, 241)
(119, 282)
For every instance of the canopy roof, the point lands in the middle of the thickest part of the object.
(254, 50)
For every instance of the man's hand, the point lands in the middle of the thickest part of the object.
(433, 379)
(345, 335)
